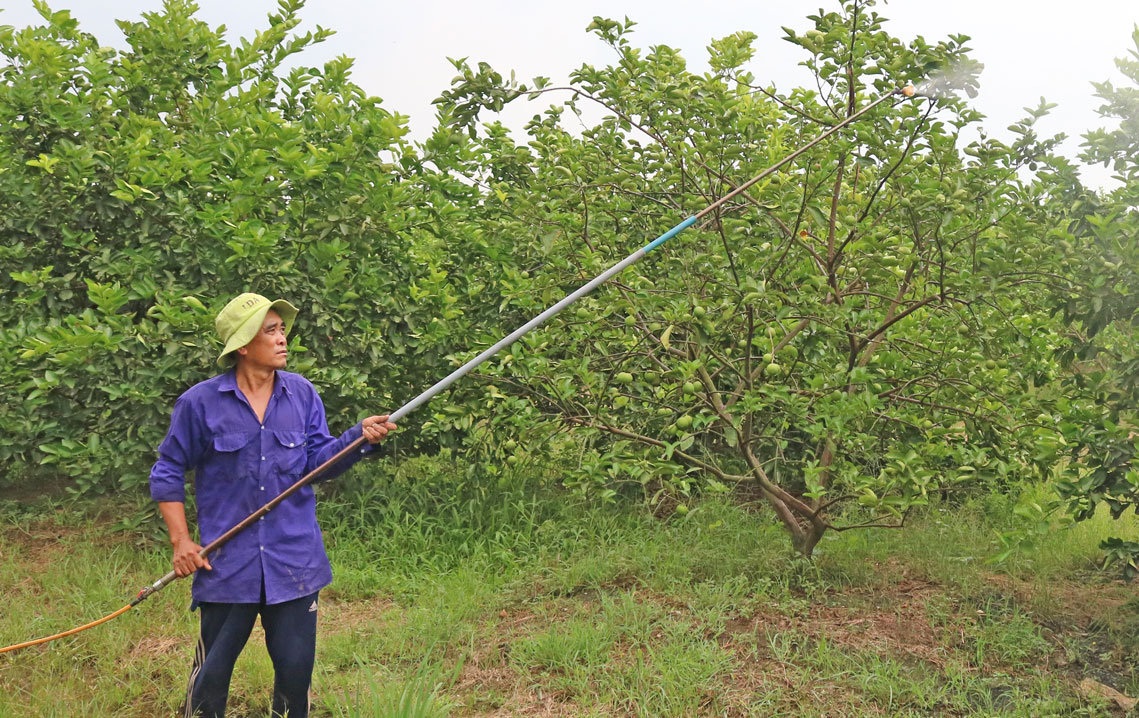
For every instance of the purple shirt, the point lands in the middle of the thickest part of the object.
(239, 465)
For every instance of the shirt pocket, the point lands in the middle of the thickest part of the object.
(227, 460)
(289, 455)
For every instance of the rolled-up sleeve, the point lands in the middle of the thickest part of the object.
(322, 446)
(179, 451)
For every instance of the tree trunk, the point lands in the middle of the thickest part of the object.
(807, 538)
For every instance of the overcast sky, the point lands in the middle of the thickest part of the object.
(1030, 48)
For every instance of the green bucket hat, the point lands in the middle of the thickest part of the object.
(242, 318)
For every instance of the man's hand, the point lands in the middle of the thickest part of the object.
(376, 428)
(187, 560)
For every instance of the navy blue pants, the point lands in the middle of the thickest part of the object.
(290, 636)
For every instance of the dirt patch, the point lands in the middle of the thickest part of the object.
(489, 687)
(38, 491)
(354, 616)
(41, 540)
(1090, 622)
(39, 543)
(889, 622)
(152, 647)
(495, 690)
(537, 706)
(1087, 605)
(896, 622)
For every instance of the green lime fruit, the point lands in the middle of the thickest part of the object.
(682, 509)
(772, 370)
(623, 378)
(510, 445)
(684, 422)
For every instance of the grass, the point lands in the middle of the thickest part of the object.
(417, 695)
(455, 599)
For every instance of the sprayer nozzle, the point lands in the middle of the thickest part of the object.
(908, 90)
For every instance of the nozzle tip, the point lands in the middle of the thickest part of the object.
(908, 90)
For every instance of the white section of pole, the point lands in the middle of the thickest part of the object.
(515, 335)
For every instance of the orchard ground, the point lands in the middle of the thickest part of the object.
(513, 600)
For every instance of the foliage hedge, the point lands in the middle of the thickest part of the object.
(139, 191)
(888, 319)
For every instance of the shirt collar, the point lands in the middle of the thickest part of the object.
(228, 382)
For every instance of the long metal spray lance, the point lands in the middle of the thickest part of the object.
(451, 378)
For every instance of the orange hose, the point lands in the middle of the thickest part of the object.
(92, 624)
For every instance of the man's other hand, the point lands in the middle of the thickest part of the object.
(376, 428)
(187, 558)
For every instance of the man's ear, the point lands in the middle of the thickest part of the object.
(242, 351)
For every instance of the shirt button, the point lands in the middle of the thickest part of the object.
(262, 458)
(261, 519)
(262, 488)
(290, 444)
(262, 427)
(262, 548)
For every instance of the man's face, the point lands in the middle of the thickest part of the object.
(268, 349)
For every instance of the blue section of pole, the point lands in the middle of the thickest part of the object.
(670, 234)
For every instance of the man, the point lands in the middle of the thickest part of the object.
(248, 434)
